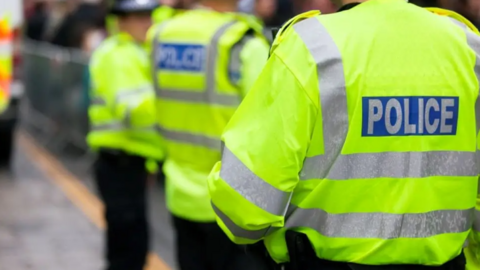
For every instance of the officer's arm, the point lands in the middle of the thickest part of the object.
(253, 58)
(265, 144)
(124, 87)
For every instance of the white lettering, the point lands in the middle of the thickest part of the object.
(444, 128)
(420, 115)
(393, 104)
(431, 127)
(375, 113)
(192, 58)
(409, 128)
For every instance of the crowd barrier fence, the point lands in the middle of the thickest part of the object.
(54, 107)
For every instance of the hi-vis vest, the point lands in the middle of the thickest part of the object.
(6, 54)
(378, 165)
(122, 111)
(194, 74)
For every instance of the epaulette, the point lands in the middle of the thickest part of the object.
(281, 32)
(454, 15)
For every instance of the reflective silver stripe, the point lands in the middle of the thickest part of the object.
(332, 88)
(209, 95)
(155, 54)
(194, 96)
(251, 187)
(190, 138)
(382, 225)
(473, 41)
(235, 63)
(98, 101)
(476, 222)
(118, 126)
(236, 230)
(6, 48)
(128, 93)
(393, 165)
(111, 126)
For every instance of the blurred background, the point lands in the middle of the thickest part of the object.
(53, 40)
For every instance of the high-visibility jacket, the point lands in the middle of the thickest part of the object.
(6, 54)
(159, 15)
(472, 254)
(204, 63)
(360, 133)
(122, 110)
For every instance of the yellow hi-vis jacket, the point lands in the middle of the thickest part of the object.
(122, 111)
(204, 63)
(361, 132)
(6, 55)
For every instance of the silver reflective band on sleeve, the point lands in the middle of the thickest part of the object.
(98, 101)
(110, 126)
(251, 187)
(6, 48)
(382, 225)
(236, 230)
(473, 41)
(476, 222)
(128, 93)
(392, 165)
(190, 138)
(209, 94)
(119, 126)
(331, 77)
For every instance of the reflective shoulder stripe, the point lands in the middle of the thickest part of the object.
(210, 94)
(333, 100)
(277, 39)
(190, 138)
(238, 231)
(254, 189)
(476, 223)
(473, 40)
(234, 67)
(382, 225)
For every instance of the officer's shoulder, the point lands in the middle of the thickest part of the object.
(455, 16)
(285, 30)
(108, 49)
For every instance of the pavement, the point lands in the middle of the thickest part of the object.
(51, 217)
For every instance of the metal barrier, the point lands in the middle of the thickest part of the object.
(55, 104)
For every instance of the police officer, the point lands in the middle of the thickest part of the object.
(204, 60)
(123, 132)
(356, 147)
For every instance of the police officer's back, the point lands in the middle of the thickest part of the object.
(360, 136)
(123, 132)
(205, 60)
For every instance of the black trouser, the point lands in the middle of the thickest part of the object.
(204, 246)
(303, 257)
(121, 180)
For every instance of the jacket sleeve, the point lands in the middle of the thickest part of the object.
(253, 58)
(123, 85)
(265, 144)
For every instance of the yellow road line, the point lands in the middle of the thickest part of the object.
(80, 196)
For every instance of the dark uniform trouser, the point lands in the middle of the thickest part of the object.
(121, 180)
(204, 246)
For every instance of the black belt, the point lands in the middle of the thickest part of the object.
(120, 158)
